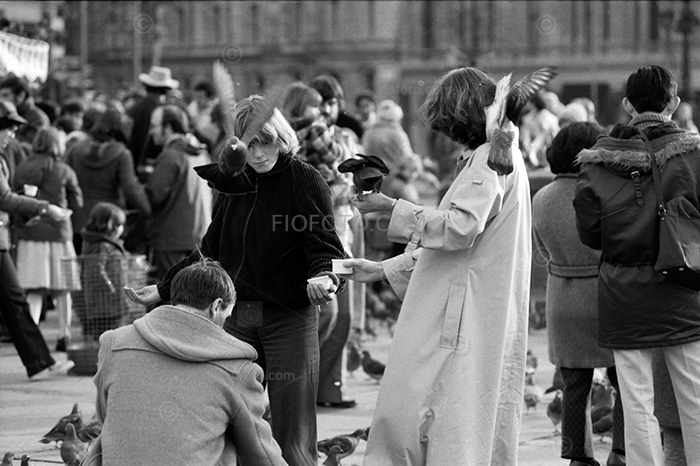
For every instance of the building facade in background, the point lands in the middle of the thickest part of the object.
(395, 48)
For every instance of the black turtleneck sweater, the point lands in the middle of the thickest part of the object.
(270, 231)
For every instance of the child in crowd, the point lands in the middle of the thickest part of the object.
(102, 259)
(42, 244)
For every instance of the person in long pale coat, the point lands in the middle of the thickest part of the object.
(452, 392)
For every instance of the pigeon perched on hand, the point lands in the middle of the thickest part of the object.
(59, 430)
(73, 450)
(367, 173)
(504, 113)
(372, 367)
(554, 410)
(7, 459)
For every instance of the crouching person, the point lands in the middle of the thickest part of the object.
(175, 388)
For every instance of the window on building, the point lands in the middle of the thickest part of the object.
(654, 25)
(606, 24)
(428, 33)
(588, 27)
(372, 17)
(532, 31)
(255, 23)
(574, 25)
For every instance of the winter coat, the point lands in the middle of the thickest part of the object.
(11, 203)
(106, 174)
(103, 262)
(453, 387)
(271, 232)
(572, 281)
(181, 201)
(58, 184)
(175, 388)
(616, 213)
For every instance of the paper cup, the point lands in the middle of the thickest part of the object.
(30, 190)
(339, 268)
(325, 280)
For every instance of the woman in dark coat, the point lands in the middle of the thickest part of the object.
(272, 229)
(105, 170)
(572, 298)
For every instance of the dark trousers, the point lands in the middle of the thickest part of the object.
(576, 417)
(25, 334)
(334, 330)
(287, 344)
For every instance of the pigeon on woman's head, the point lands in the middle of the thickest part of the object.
(368, 172)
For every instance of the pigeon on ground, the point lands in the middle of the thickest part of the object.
(531, 363)
(557, 382)
(603, 426)
(602, 401)
(367, 173)
(504, 113)
(346, 443)
(73, 450)
(334, 456)
(7, 459)
(25, 460)
(554, 411)
(353, 358)
(532, 394)
(372, 367)
(59, 430)
(90, 431)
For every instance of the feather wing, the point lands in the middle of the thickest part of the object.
(226, 91)
(495, 111)
(523, 90)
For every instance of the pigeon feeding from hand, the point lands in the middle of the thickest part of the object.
(59, 430)
(347, 443)
(73, 450)
(507, 105)
(372, 367)
(367, 173)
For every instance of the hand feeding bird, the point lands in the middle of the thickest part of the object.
(554, 410)
(73, 450)
(372, 367)
(234, 155)
(504, 113)
(367, 173)
(59, 430)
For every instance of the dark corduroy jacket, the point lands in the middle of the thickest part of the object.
(616, 213)
(270, 231)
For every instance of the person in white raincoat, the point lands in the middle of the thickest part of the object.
(452, 393)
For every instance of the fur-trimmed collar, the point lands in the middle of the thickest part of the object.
(624, 149)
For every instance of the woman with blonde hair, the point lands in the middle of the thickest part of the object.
(42, 243)
(272, 230)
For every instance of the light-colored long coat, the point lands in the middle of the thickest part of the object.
(453, 388)
(572, 281)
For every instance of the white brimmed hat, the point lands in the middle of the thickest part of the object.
(159, 76)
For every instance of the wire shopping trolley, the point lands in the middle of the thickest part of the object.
(99, 301)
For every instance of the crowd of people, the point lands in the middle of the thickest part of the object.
(245, 263)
